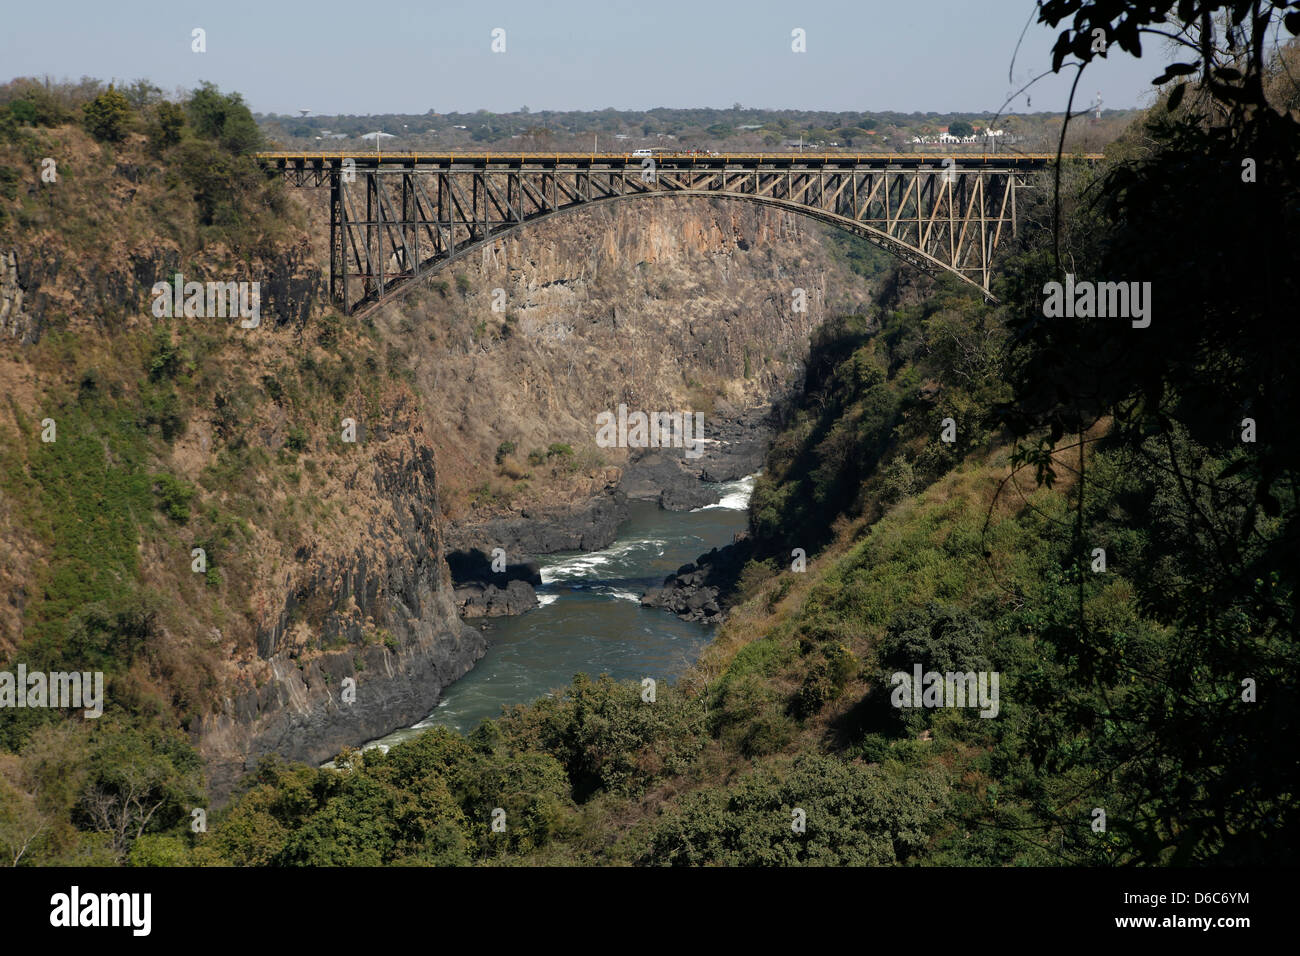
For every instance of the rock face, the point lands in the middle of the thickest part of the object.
(345, 623)
(585, 526)
(736, 442)
(33, 288)
(698, 591)
(668, 306)
(313, 699)
(15, 321)
(484, 592)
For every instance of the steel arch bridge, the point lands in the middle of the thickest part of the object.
(396, 217)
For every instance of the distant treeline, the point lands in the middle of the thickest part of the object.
(702, 126)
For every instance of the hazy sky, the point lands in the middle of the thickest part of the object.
(352, 56)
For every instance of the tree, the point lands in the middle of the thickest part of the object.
(225, 118)
(23, 112)
(108, 116)
(960, 128)
(139, 778)
(1163, 717)
(142, 93)
(22, 824)
(165, 127)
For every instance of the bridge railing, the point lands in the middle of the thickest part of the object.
(398, 157)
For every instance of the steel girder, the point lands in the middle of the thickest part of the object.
(392, 224)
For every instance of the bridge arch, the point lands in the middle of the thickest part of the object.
(404, 280)
(397, 218)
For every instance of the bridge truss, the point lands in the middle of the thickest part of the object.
(397, 218)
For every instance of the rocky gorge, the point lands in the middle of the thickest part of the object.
(667, 476)
(335, 609)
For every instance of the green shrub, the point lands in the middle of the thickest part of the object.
(608, 738)
(331, 327)
(824, 682)
(165, 360)
(297, 439)
(165, 127)
(23, 112)
(161, 407)
(273, 387)
(174, 496)
(483, 494)
(108, 116)
(853, 815)
(157, 849)
(8, 183)
(224, 117)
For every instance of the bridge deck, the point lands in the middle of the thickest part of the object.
(396, 216)
(668, 160)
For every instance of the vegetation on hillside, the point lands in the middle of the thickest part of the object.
(100, 524)
(1105, 532)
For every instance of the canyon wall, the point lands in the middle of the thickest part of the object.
(661, 304)
(335, 620)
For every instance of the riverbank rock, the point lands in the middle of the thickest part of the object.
(738, 440)
(488, 600)
(588, 526)
(475, 566)
(735, 443)
(698, 591)
(482, 592)
(665, 475)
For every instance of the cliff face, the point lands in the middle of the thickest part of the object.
(387, 603)
(661, 304)
(331, 618)
(352, 594)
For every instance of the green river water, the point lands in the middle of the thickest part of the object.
(591, 619)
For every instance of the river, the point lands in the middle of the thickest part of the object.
(591, 619)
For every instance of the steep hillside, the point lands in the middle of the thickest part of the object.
(322, 559)
(1104, 587)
